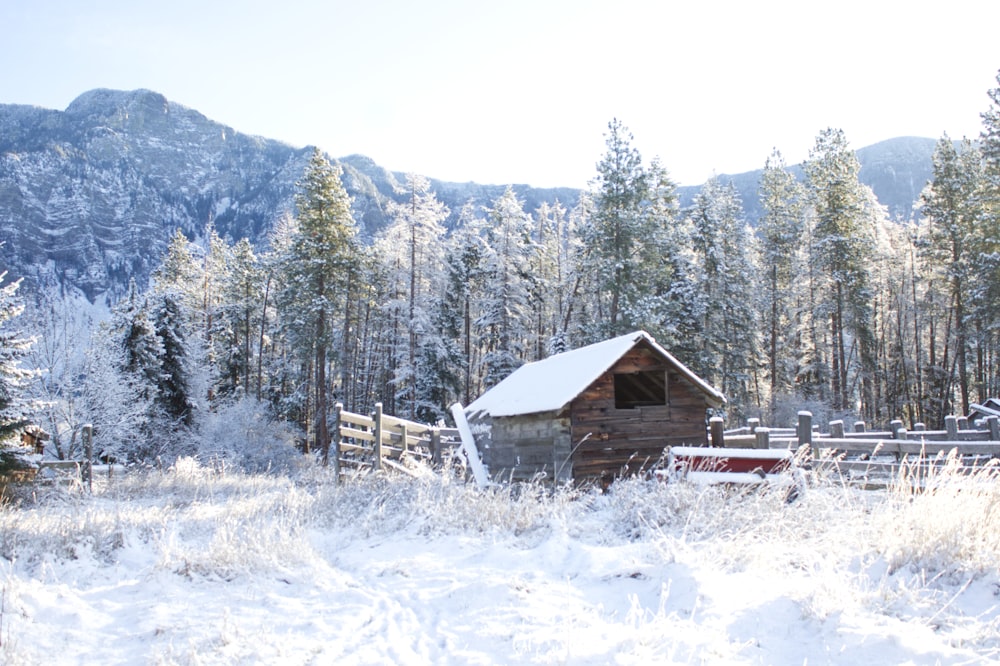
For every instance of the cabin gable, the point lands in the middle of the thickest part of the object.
(632, 412)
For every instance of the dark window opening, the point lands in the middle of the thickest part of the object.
(640, 389)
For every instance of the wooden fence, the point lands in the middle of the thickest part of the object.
(377, 441)
(855, 451)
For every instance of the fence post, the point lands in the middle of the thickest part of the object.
(837, 429)
(403, 433)
(436, 446)
(753, 424)
(993, 424)
(919, 427)
(337, 409)
(763, 438)
(894, 427)
(859, 426)
(805, 430)
(715, 426)
(962, 423)
(88, 454)
(377, 417)
(951, 425)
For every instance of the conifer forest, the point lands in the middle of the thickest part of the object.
(824, 304)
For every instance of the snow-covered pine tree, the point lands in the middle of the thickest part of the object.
(612, 235)
(724, 248)
(15, 408)
(239, 318)
(174, 392)
(181, 271)
(140, 352)
(954, 212)
(505, 324)
(843, 237)
(460, 306)
(413, 249)
(112, 400)
(780, 229)
(988, 317)
(318, 270)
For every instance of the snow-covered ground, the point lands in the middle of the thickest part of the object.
(191, 566)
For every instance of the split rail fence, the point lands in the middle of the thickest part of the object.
(378, 441)
(858, 453)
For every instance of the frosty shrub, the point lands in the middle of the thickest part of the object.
(244, 434)
(942, 518)
(440, 501)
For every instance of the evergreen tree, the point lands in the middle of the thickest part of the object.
(548, 274)
(460, 305)
(15, 409)
(614, 232)
(842, 241)
(988, 258)
(626, 263)
(111, 400)
(174, 392)
(723, 246)
(952, 206)
(240, 317)
(662, 302)
(140, 352)
(412, 245)
(989, 139)
(505, 322)
(780, 229)
(318, 270)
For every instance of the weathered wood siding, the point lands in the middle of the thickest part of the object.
(623, 441)
(520, 448)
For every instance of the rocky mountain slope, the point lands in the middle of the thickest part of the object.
(90, 196)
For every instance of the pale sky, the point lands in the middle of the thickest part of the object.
(521, 91)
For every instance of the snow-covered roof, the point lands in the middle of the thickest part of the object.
(552, 383)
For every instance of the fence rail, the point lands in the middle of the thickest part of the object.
(864, 453)
(379, 440)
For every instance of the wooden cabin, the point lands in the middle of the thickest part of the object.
(598, 412)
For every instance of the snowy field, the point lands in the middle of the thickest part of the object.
(192, 566)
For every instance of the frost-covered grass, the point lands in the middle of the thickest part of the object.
(198, 564)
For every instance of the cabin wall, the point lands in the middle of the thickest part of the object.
(524, 447)
(623, 441)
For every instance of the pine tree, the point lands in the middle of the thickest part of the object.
(611, 236)
(988, 258)
(505, 323)
(139, 351)
(460, 305)
(174, 391)
(842, 242)
(989, 138)
(181, 271)
(240, 315)
(781, 230)
(108, 399)
(412, 244)
(723, 247)
(952, 206)
(15, 409)
(318, 270)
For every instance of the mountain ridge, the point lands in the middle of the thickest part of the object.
(90, 196)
